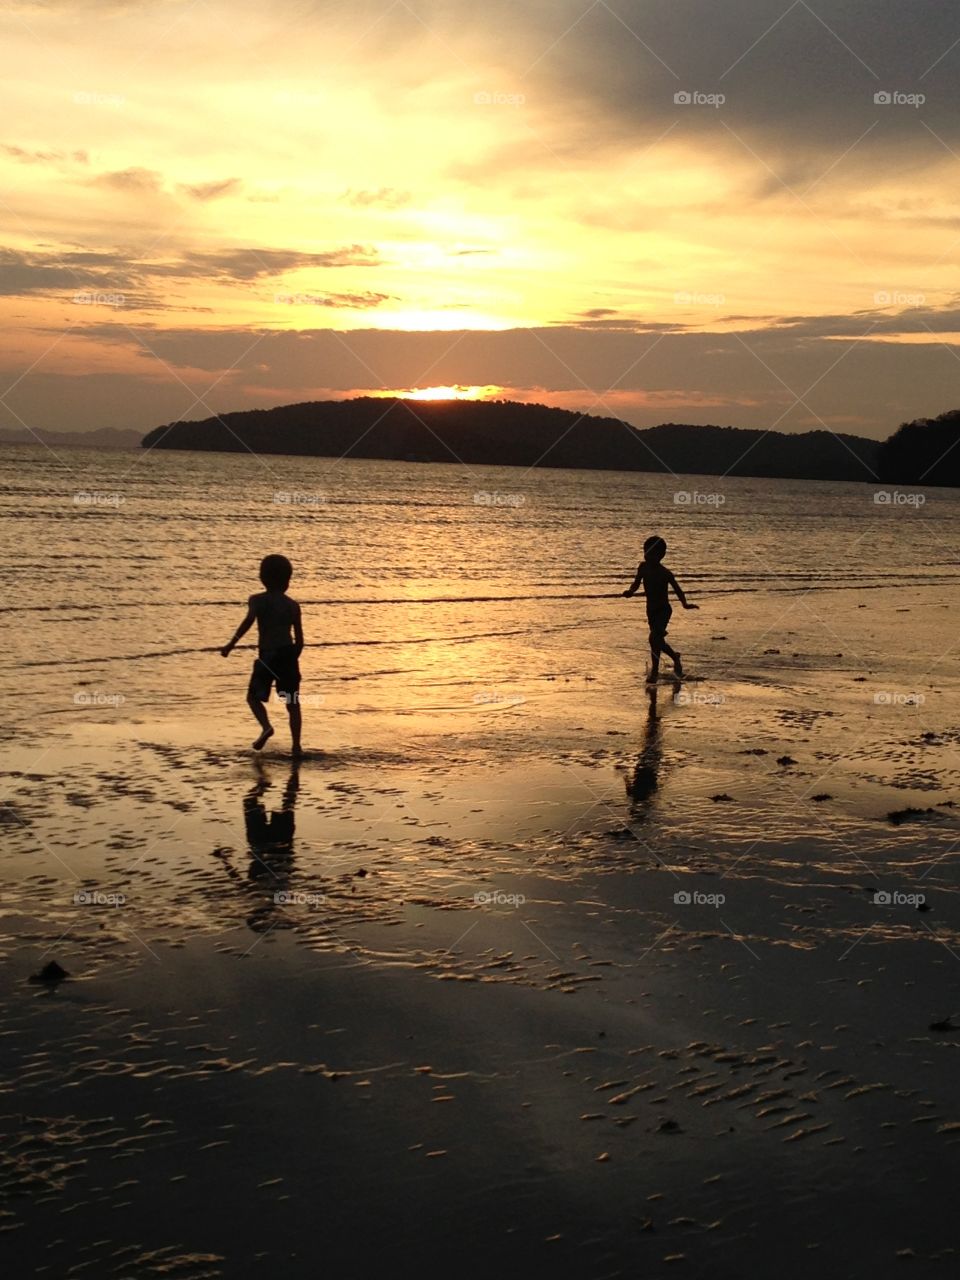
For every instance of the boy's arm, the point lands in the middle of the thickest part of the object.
(635, 585)
(298, 630)
(680, 596)
(241, 631)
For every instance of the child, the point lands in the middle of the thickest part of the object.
(656, 578)
(280, 643)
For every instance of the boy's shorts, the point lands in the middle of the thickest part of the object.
(276, 667)
(659, 621)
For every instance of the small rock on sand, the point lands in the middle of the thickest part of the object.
(50, 973)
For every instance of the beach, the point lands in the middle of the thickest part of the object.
(527, 964)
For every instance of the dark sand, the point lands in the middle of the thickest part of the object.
(577, 1074)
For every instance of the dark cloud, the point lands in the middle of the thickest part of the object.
(30, 273)
(251, 264)
(772, 376)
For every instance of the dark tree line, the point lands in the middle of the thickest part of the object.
(505, 433)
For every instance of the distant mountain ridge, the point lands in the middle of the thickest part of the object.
(102, 438)
(507, 433)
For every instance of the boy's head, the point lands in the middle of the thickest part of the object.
(276, 572)
(654, 548)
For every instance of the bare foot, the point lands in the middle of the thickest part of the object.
(296, 752)
(264, 738)
(677, 666)
(653, 677)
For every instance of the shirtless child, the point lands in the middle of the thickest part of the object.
(280, 643)
(656, 579)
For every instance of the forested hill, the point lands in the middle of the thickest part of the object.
(502, 432)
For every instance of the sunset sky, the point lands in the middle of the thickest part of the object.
(744, 212)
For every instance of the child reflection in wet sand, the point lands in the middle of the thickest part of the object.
(656, 579)
(642, 783)
(269, 847)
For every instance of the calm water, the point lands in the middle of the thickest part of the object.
(437, 587)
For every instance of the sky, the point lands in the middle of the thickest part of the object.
(742, 213)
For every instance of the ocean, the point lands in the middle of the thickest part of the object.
(436, 587)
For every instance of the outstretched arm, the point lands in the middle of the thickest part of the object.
(635, 584)
(680, 596)
(240, 632)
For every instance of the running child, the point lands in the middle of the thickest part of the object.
(656, 579)
(280, 643)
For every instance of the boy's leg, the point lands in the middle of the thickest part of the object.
(672, 653)
(654, 661)
(260, 712)
(296, 723)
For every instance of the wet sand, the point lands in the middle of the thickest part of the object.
(596, 982)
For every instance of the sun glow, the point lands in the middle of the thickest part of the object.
(456, 392)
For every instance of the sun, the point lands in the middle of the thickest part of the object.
(455, 392)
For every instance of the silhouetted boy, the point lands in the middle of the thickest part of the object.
(280, 643)
(656, 579)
